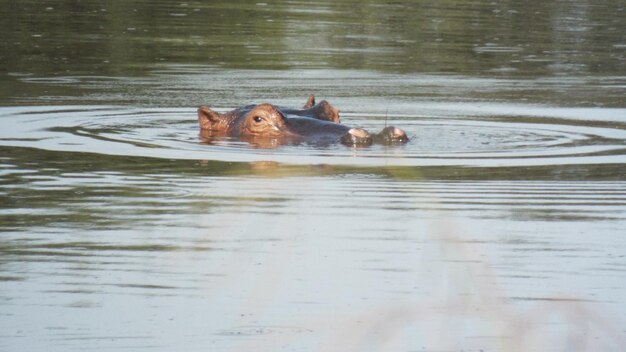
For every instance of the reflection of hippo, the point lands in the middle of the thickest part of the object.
(315, 123)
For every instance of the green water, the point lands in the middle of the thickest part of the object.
(499, 227)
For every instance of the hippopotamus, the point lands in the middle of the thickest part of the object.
(314, 123)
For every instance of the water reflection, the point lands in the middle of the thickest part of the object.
(492, 38)
(264, 254)
(96, 196)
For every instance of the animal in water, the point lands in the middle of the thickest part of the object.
(313, 123)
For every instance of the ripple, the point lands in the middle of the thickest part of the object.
(263, 330)
(493, 137)
(496, 49)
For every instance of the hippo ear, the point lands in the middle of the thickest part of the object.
(310, 102)
(207, 117)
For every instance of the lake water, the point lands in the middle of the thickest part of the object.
(501, 225)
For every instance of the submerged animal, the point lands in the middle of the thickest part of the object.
(314, 123)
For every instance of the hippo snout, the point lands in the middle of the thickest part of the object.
(357, 136)
(390, 135)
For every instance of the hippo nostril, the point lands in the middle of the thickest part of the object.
(392, 134)
(357, 136)
(359, 133)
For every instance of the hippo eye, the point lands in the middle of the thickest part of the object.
(257, 119)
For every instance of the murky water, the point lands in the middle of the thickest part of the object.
(499, 227)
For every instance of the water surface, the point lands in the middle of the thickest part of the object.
(499, 227)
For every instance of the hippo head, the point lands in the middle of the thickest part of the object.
(253, 120)
(271, 125)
